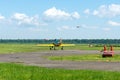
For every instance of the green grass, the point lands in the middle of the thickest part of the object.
(18, 48)
(86, 57)
(20, 72)
(86, 47)
(83, 47)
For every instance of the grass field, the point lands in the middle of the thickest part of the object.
(17, 48)
(86, 57)
(20, 72)
(10, 71)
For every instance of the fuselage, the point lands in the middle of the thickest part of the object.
(57, 45)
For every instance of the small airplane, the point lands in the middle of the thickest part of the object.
(56, 43)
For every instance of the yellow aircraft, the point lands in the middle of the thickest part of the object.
(55, 44)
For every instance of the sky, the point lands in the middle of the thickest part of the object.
(56, 19)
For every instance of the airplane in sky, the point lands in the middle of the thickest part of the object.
(56, 43)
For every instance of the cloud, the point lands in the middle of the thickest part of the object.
(23, 19)
(87, 11)
(112, 23)
(4, 20)
(2, 17)
(57, 14)
(88, 27)
(112, 10)
(75, 15)
(106, 29)
(65, 28)
(37, 29)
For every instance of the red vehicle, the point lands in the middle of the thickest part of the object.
(108, 53)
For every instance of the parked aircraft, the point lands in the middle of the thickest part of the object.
(56, 43)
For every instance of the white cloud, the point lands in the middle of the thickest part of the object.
(57, 14)
(4, 20)
(37, 29)
(106, 29)
(87, 11)
(88, 27)
(2, 17)
(53, 12)
(112, 10)
(65, 28)
(112, 23)
(96, 13)
(76, 15)
(23, 19)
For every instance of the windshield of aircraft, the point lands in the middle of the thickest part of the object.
(56, 41)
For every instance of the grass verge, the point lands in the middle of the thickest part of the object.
(18, 48)
(86, 57)
(20, 72)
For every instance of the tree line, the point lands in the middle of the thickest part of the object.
(73, 41)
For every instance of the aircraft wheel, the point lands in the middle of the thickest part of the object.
(62, 48)
(54, 48)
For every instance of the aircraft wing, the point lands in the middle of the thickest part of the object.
(67, 45)
(53, 45)
(45, 45)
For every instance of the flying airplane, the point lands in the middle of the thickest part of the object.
(56, 43)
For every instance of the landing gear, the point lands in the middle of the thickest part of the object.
(54, 48)
(62, 48)
(51, 47)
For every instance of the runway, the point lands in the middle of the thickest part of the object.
(37, 59)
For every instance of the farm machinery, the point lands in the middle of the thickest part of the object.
(108, 53)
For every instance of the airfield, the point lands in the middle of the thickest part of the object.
(38, 59)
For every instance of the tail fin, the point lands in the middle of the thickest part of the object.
(60, 40)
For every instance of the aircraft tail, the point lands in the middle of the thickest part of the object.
(60, 40)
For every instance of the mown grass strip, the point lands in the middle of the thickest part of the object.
(20, 72)
(86, 57)
(18, 48)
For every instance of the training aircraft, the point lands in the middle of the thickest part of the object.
(56, 43)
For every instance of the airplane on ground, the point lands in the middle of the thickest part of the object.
(56, 43)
